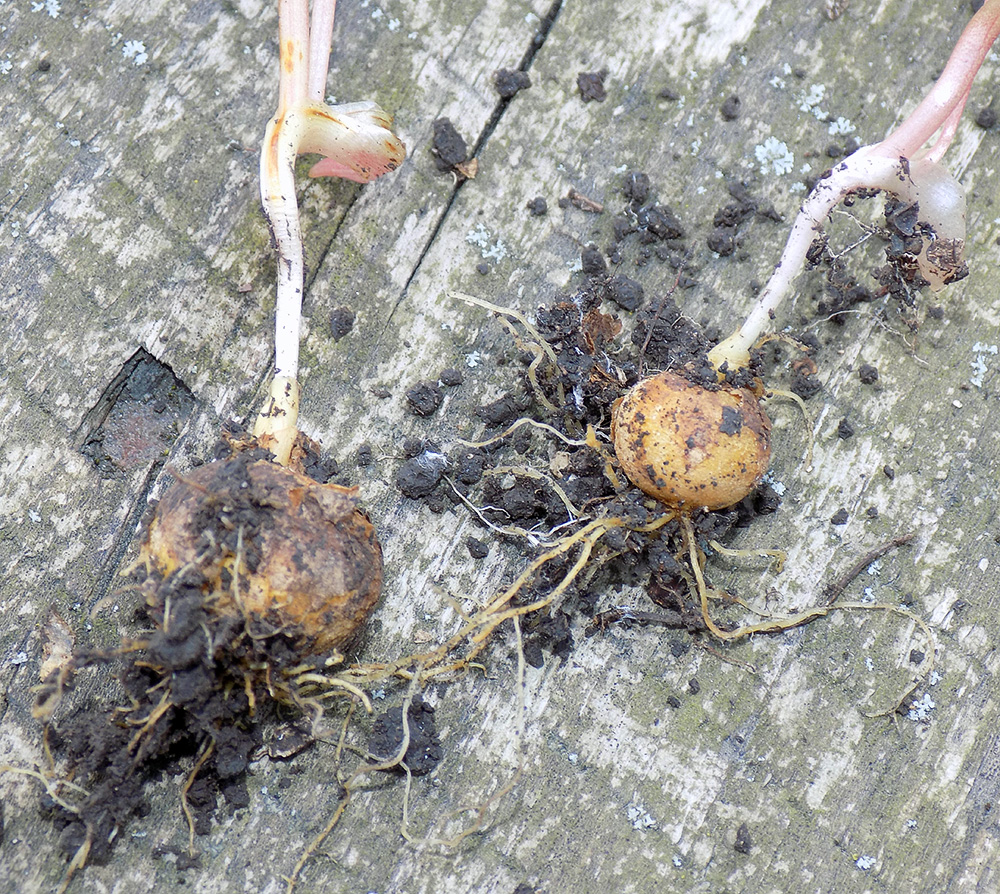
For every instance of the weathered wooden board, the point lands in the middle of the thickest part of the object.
(129, 220)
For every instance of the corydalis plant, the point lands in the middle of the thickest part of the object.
(356, 142)
(901, 167)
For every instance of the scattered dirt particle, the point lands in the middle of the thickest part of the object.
(503, 410)
(916, 656)
(840, 517)
(467, 464)
(341, 322)
(660, 221)
(868, 374)
(477, 549)
(804, 384)
(509, 83)
(889, 472)
(419, 475)
(668, 93)
(673, 701)
(364, 456)
(534, 655)
(986, 118)
(872, 512)
(679, 647)
(448, 147)
(591, 85)
(424, 398)
(625, 292)
(722, 240)
(451, 377)
(836, 8)
(636, 187)
(732, 214)
(732, 421)
(670, 339)
(844, 429)
(730, 109)
(44, 65)
(423, 752)
(538, 207)
(592, 261)
(694, 687)
(766, 500)
(415, 446)
(744, 843)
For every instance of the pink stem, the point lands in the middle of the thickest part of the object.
(949, 93)
(293, 40)
(320, 38)
(948, 129)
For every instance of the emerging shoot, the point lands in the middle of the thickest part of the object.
(356, 142)
(901, 167)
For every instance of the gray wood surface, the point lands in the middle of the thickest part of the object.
(129, 220)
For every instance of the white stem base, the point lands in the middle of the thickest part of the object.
(277, 424)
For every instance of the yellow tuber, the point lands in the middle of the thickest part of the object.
(691, 446)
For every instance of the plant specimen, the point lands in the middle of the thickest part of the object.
(702, 441)
(254, 575)
(900, 166)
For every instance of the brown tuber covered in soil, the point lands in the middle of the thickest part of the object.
(273, 547)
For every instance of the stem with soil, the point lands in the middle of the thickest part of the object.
(885, 166)
(357, 143)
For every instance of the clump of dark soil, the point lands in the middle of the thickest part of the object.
(509, 83)
(424, 398)
(730, 108)
(420, 475)
(591, 85)
(423, 751)
(537, 206)
(449, 148)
